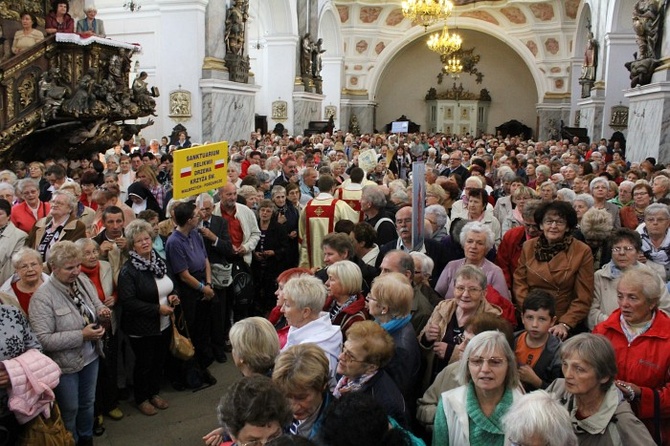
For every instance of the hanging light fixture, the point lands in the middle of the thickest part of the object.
(132, 6)
(454, 67)
(444, 43)
(427, 12)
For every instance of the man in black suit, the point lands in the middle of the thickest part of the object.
(455, 166)
(433, 249)
(214, 231)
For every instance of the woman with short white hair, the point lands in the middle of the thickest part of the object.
(90, 26)
(304, 298)
(538, 417)
(476, 239)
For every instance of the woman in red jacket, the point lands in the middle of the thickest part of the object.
(640, 334)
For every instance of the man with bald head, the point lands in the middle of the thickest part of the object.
(242, 225)
(433, 249)
(397, 261)
(456, 166)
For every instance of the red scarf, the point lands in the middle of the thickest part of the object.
(94, 275)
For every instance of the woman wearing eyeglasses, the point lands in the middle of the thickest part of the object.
(558, 263)
(599, 414)
(632, 215)
(655, 233)
(20, 287)
(626, 248)
(365, 353)
(471, 414)
(253, 412)
(445, 328)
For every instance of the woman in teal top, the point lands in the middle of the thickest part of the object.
(471, 414)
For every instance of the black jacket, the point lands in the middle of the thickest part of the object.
(405, 365)
(138, 296)
(384, 390)
(434, 250)
(217, 253)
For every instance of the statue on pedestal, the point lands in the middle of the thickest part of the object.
(234, 37)
(647, 17)
(590, 65)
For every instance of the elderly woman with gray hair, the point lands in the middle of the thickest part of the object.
(436, 217)
(373, 205)
(655, 234)
(598, 413)
(596, 226)
(60, 225)
(90, 26)
(472, 414)
(638, 332)
(582, 203)
(66, 315)
(600, 187)
(29, 276)
(304, 298)
(538, 419)
(476, 239)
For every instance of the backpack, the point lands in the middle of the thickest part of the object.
(242, 285)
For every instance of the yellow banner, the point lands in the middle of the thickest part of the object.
(200, 169)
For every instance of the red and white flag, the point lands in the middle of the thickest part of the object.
(185, 172)
(218, 164)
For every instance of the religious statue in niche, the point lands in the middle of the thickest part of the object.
(279, 110)
(236, 19)
(306, 61)
(180, 104)
(648, 15)
(317, 63)
(590, 64)
(353, 125)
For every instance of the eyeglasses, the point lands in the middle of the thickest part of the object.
(471, 290)
(640, 194)
(618, 249)
(370, 297)
(403, 220)
(557, 223)
(494, 363)
(348, 357)
(27, 266)
(655, 219)
(271, 438)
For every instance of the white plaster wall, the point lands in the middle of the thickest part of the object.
(409, 75)
(172, 36)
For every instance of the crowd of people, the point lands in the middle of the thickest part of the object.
(530, 311)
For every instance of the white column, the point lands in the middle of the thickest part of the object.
(332, 73)
(619, 49)
(279, 75)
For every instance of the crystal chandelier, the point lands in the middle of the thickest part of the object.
(454, 67)
(427, 12)
(444, 43)
(132, 6)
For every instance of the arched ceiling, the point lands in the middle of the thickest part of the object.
(540, 31)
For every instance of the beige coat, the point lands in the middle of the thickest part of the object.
(604, 293)
(568, 277)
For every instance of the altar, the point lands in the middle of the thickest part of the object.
(457, 111)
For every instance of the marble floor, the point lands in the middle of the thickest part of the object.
(190, 416)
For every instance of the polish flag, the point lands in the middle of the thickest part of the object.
(185, 172)
(218, 164)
